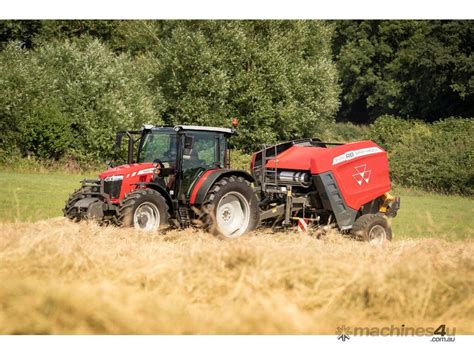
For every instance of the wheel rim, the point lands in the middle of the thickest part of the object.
(146, 217)
(233, 214)
(377, 234)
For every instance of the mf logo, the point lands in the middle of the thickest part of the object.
(362, 174)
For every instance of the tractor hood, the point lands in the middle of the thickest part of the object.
(122, 179)
(128, 170)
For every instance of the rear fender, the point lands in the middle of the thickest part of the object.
(209, 178)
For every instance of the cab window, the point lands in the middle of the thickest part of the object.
(158, 145)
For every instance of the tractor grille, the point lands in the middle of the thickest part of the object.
(112, 188)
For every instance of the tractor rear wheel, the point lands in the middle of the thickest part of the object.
(145, 210)
(373, 228)
(231, 207)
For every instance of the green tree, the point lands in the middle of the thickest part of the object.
(277, 77)
(420, 69)
(437, 156)
(21, 32)
(69, 99)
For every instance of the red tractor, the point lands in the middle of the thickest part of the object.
(181, 176)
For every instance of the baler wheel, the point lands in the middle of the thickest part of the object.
(145, 210)
(373, 228)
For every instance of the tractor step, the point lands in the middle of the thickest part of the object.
(183, 216)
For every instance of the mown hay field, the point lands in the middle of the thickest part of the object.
(58, 277)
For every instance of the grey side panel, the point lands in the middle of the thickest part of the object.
(332, 200)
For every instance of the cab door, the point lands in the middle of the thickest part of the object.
(200, 152)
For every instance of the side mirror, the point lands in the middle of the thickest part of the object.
(188, 146)
(118, 141)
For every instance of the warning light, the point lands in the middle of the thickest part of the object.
(234, 121)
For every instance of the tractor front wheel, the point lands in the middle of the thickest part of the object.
(373, 228)
(231, 207)
(69, 210)
(145, 210)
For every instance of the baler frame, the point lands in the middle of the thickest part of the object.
(269, 185)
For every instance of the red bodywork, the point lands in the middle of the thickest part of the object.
(132, 174)
(360, 168)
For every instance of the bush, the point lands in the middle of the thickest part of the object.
(69, 93)
(69, 99)
(239, 160)
(437, 156)
(344, 132)
(277, 77)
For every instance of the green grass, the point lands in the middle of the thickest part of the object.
(424, 214)
(35, 196)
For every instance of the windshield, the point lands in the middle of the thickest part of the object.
(158, 145)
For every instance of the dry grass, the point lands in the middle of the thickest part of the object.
(57, 277)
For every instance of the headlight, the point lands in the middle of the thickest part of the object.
(114, 178)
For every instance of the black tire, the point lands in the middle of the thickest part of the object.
(142, 198)
(372, 228)
(78, 194)
(231, 187)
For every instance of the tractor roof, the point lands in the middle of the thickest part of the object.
(206, 128)
(228, 131)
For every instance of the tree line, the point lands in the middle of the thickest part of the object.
(68, 86)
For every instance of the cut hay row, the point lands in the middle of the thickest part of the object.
(58, 277)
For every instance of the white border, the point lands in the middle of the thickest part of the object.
(229, 345)
(232, 9)
(237, 9)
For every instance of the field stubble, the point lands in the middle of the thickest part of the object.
(57, 277)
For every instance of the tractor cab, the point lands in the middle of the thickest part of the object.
(181, 154)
